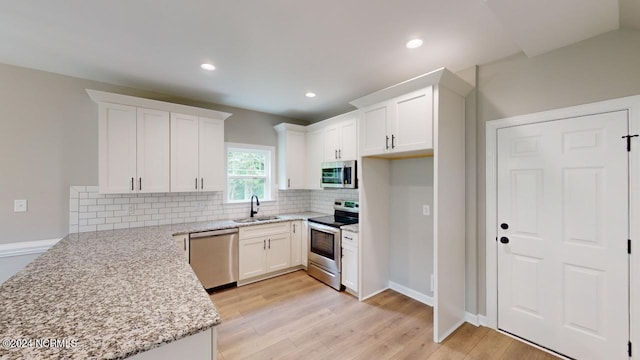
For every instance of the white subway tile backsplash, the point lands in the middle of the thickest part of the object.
(91, 211)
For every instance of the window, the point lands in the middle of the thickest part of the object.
(249, 172)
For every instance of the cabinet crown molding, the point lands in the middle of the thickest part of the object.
(441, 76)
(106, 97)
(286, 126)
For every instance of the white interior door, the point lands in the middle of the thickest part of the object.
(563, 225)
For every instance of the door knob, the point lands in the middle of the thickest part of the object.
(504, 226)
(504, 240)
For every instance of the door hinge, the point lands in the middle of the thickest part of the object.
(628, 137)
(629, 348)
(628, 246)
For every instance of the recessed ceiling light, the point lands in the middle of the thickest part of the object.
(208, 66)
(415, 43)
(310, 95)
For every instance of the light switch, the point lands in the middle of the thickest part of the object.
(426, 210)
(20, 206)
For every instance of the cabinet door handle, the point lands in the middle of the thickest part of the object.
(264, 244)
(348, 238)
(288, 183)
(202, 183)
(387, 142)
(294, 228)
(393, 141)
(269, 243)
(339, 153)
(132, 184)
(196, 183)
(184, 243)
(140, 184)
(335, 154)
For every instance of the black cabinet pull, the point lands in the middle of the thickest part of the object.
(140, 184)
(288, 183)
(393, 141)
(504, 240)
(196, 183)
(132, 184)
(264, 244)
(339, 153)
(201, 183)
(387, 142)
(269, 243)
(504, 226)
(335, 154)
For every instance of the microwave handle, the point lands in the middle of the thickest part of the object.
(344, 174)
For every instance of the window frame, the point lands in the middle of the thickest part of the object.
(269, 170)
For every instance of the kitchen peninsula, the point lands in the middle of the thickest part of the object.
(108, 295)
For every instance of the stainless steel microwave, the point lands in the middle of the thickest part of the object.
(339, 174)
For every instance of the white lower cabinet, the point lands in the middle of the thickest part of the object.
(182, 241)
(350, 260)
(264, 249)
(296, 242)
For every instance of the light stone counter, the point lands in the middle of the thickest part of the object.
(353, 228)
(112, 294)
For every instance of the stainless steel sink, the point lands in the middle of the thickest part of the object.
(247, 220)
(255, 219)
(265, 218)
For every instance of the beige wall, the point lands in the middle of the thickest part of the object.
(601, 68)
(48, 142)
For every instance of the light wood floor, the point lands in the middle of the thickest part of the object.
(296, 317)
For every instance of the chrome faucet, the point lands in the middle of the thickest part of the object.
(257, 204)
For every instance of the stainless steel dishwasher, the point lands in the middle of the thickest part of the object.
(213, 256)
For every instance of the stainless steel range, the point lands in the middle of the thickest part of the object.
(325, 248)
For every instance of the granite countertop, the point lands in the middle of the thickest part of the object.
(112, 294)
(352, 227)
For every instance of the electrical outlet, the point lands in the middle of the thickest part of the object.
(426, 210)
(20, 206)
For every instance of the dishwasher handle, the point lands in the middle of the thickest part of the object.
(213, 233)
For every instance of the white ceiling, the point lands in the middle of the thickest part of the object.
(269, 53)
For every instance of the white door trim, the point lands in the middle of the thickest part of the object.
(632, 104)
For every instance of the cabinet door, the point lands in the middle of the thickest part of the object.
(413, 125)
(211, 155)
(350, 267)
(279, 252)
(314, 159)
(349, 140)
(296, 243)
(332, 142)
(252, 257)
(184, 153)
(152, 151)
(117, 148)
(295, 160)
(373, 130)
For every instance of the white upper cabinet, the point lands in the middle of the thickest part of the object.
(291, 156)
(133, 149)
(211, 154)
(402, 124)
(314, 159)
(341, 138)
(153, 146)
(197, 153)
(152, 150)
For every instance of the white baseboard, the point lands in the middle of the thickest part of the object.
(365, 297)
(16, 256)
(415, 295)
(26, 247)
(475, 319)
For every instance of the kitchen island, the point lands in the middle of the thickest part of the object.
(111, 295)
